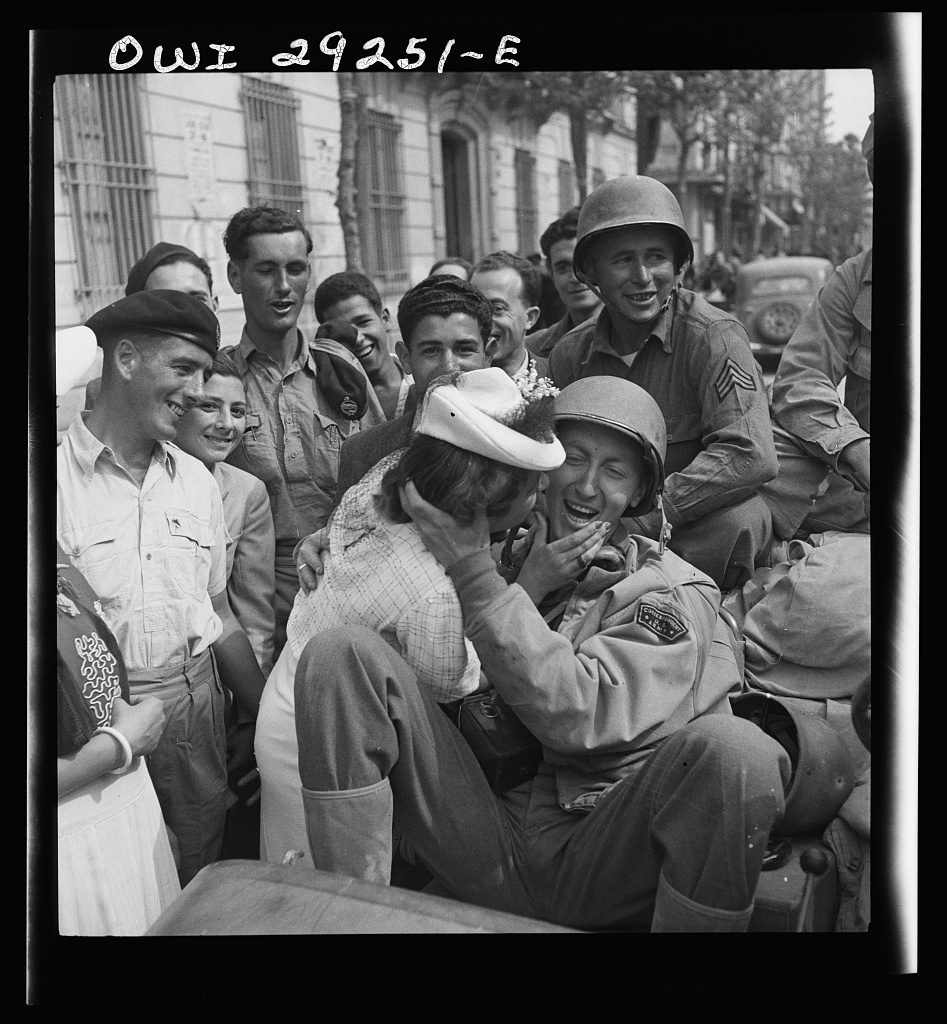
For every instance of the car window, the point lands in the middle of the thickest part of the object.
(781, 286)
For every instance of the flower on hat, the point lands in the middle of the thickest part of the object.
(533, 387)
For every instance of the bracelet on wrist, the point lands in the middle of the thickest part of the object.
(122, 742)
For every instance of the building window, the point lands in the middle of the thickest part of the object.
(108, 179)
(527, 215)
(568, 192)
(272, 146)
(381, 200)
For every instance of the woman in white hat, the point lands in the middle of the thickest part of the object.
(481, 443)
(116, 868)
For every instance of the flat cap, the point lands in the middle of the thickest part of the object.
(141, 271)
(158, 312)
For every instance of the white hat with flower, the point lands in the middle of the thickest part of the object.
(480, 411)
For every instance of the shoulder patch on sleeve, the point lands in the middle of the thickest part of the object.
(662, 623)
(731, 376)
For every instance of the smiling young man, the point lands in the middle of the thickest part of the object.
(351, 298)
(303, 398)
(692, 358)
(558, 244)
(652, 805)
(143, 521)
(513, 287)
(445, 324)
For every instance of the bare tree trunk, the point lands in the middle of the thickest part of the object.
(757, 208)
(579, 134)
(346, 200)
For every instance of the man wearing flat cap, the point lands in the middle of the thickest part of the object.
(143, 521)
(303, 397)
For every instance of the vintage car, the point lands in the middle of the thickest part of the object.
(771, 296)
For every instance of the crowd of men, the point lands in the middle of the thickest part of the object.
(670, 440)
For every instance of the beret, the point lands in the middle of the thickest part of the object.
(141, 271)
(339, 330)
(158, 312)
(473, 413)
(343, 384)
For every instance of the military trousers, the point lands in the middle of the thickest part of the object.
(694, 817)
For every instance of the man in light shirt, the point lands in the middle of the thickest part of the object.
(143, 522)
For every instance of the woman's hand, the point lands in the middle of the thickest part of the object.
(309, 558)
(142, 722)
(448, 540)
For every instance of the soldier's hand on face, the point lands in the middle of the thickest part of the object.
(142, 722)
(550, 566)
(854, 462)
(309, 559)
(446, 538)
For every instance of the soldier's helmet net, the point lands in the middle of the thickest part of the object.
(627, 408)
(633, 201)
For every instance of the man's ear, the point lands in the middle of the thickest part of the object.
(532, 315)
(401, 350)
(386, 317)
(125, 357)
(233, 276)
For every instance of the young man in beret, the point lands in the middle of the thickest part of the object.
(143, 521)
(350, 311)
(303, 397)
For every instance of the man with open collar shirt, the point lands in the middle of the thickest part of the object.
(303, 397)
(693, 359)
(143, 521)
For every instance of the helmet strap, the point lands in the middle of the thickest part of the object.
(664, 537)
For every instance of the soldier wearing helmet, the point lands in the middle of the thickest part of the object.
(823, 442)
(652, 805)
(695, 361)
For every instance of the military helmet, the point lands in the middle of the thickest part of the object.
(635, 201)
(823, 773)
(625, 407)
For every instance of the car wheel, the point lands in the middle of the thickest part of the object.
(777, 322)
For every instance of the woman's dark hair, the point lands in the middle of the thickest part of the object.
(457, 481)
(224, 365)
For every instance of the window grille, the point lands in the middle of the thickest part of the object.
(108, 180)
(568, 190)
(269, 113)
(381, 201)
(527, 215)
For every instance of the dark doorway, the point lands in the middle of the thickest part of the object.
(455, 157)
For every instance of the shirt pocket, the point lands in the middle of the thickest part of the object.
(189, 551)
(684, 441)
(96, 552)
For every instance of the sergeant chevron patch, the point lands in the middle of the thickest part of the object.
(732, 376)
(661, 623)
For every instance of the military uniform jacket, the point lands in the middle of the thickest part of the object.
(628, 664)
(698, 367)
(832, 342)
